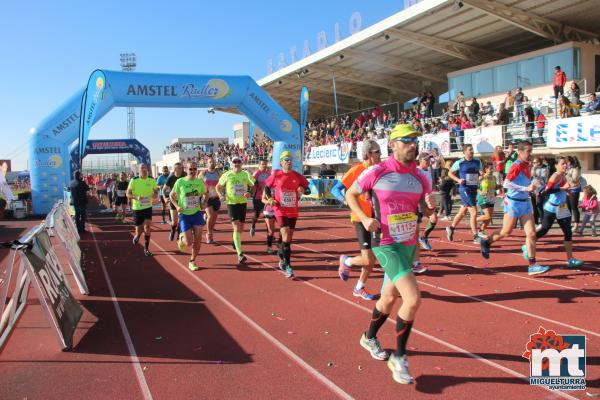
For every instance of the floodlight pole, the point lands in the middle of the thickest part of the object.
(335, 95)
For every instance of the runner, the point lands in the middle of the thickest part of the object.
(121, 197)
(269, 214)
(371, 155)
(189, 197)
(110, 189)
(211, 178)
(141, 191)
(260, 176)
(283, 189)
(517, 206)
(486, 197)
(466, 172)
(396, 189)
(236, 183)
(556, 208)
(424, 168)
(178, 172)
(161, 183)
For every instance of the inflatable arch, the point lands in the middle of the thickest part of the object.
(50, 147)
(109, 146)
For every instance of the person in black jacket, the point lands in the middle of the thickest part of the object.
(446, 187)
(79, 199)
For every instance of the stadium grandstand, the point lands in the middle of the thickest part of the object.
(458, 66)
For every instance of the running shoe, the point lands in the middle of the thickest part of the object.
(252, 231)
(417, 268)
(148, 253)
(209, 238)
(180, 244)
(399, 368)
(374, 347)
(282, 264)
(192, 266)
(343, 269)
(450, 233)
(242, 259)
(136, 240)
(524, 252)
(289, 272)
(363, 294)
(537, 269)
(574, 263)
(270, 250)
(424, 243)
(486, 248)
(164, 222)
(171, 235)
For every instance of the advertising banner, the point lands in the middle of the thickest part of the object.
(484, 140)
(574, 132)
(331, 154)
(440, 141)
(63, 309)
(383, 144)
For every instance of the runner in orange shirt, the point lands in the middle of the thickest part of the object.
(371, 154)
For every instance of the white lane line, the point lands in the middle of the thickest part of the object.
(115, 301)
(312, 371)
(421, 333)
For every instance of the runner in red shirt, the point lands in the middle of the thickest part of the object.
(283, 189)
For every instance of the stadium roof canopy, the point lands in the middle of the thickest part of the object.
(414, 49)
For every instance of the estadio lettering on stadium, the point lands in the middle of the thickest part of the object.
(331, 154)
(574, 132)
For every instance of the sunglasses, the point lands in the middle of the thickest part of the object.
(375, 151)
(192, 169)
(287, 159)
(237, 162)
(406, 140)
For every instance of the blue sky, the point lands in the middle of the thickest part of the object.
(49, 49)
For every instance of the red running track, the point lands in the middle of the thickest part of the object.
(154, 329)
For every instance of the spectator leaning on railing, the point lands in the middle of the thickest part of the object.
(593, 105)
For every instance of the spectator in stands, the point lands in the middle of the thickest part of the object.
(489, 109)
(565, 107)
(430, 101)
(540, 122)
(436, 161)
(503, 117)
(575, 93)
(509, 101)
(519, 100)
(474, 109)
(593, 105)
(558, 81)
(460, 103)
(529, 116)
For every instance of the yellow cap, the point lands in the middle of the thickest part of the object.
(285, 154)
(402, 131)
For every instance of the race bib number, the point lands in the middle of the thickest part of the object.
(145, 201)
(192, 202)
(121, 193)
(402, 227)
(288, 199)
(239, 189)
(472, 179)
(563, 212)
(212, 192)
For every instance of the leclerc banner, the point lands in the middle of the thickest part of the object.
(62, 307)
(574, 132)
(484, 140)
(440, 141)
(331, 154)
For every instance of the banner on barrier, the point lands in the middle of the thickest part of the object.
(51, 285)
(574, 132)
(331, 154)
(321, 188)
(484, 140)
(440, 141)
(383, 144)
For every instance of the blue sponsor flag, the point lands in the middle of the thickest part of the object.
(251, 134)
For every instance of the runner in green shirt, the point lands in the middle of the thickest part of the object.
(236, 184)
(189, 197)
(141, 191)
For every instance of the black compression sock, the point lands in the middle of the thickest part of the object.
(146, 241)
(377, 321)
(270, 240)
(403, 329)
(287, 252)
(430, 227)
